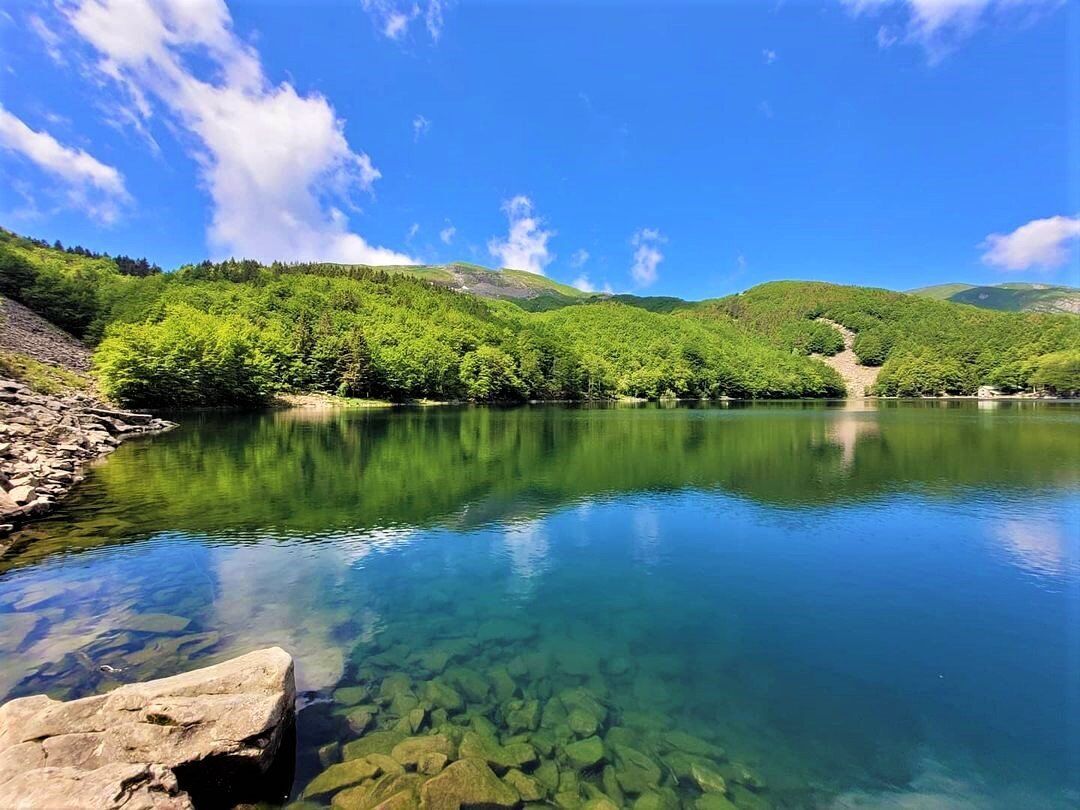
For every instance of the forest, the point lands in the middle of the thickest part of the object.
(239, 333)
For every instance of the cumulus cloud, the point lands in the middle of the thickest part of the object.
(394, 18)
(89, 185)
(447, 234)
(647, 255)
(525, 246)
(579, 257)
(420, 127)
(275, 162)
(1041, 243)
(939, 25)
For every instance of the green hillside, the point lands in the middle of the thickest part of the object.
(923, 346)
(1009, 297)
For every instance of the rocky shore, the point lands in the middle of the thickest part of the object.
(47, 437)
(45, 440)
(215, 737)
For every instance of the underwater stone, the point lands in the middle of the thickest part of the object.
(714, 801)
(543, 741)
(635, 771)
(416, 719)
(350, 695)
(502, 684)
(568, 800)
(329, 753)
(152, 623)
(389, 791)
(692, 745)
(442, 696)
(657, 800)
(547, 773)
(431, 762)
(375, 742)
(742, 775)
(472, 683)
(584, 753)
(403, 703)
(466, 783)
(341, 775)
(745, 798)
(601, 803)
(385, 763)
(408, 752)
(393, 685)
(528, 787)
(500, 757)
(360, 718)
(582, 723)
(522, 715)
(707, 778)
(611, 786)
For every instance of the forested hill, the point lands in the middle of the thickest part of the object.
(1009, 297)
(924, 347)
(238, 332)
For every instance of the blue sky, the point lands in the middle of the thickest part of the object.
(688, 149)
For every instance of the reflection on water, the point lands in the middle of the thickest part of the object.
(870, 606)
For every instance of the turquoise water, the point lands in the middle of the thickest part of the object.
(863, 606)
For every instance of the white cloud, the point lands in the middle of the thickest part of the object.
(582, 283)
(89, 185)
(420, 127)
(1044, 243)
(49, 38)
(939, 25)
(414, 229)
(579, 257)
(394, 18)
(768, 55)
(765, 108)
(447, 234)
(273, 160)
(647, 255)
(525, 246)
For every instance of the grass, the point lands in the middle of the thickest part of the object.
(41, 377)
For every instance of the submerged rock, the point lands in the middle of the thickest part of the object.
(467, 783)
(166, 743)
(350, 772)
(585, 753)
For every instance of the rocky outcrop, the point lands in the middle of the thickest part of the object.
(45, 440)
(213, 737)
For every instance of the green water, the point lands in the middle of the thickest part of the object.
(852, 606)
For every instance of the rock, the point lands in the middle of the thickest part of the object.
(431, 762)
(529, 788)
(584, 753)
(388, 792)
(21, 495)
(547, 773)
(329, 753)
(152, 623)
(393, 685)
(408, 752)
(601, 803)
(714, 801)
(582, 723)
(166, 743)
(376, 742)
(692, 745)
(385, 763)
(522, 715)
(707, 778)
(442, 696)
(343, 774)
(500, 757)
(471, 683)
(360, 718)
(635, 771)
(351, 695)
(466, 783)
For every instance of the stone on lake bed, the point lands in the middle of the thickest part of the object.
(443, 696)
(408, 752)
(522, 715)
(431, 762)
(501, 757)
(388, 791)
(351, 695)
(600, 803)
(467, 783)
(529, 788)
(360, 718)
(329, 753)
(582, 723)
(375, 742)
(714, 801)
(343, 774)
(394, 684)
(385, 763)
(707, 778)
(584, 753)
(634, 770)
(692, 745)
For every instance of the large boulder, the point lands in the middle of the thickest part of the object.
(214, 732)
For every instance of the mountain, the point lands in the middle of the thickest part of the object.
(1010, 297)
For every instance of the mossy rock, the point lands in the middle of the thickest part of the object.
(521, 715)
(443, 696)
(386, 763)
(707, 778)
(682, 741)
(376, 742)
(350, 695)
(329, 753)
(431, 762)
(409, 751)
(529, 788)
(343, 774)
(584, 753)
(360, 718)
(389, 792)
(600, 803)
(740, 774)
(585, 700)
(416, 719)
(568, 800)
(473, 685)
(664, 799)
(582, 723)
(635, 771)
(745, 798)
(547, 772)
(714, 801)
(610, 783)
(500, 757)
(403, 703)
(543, 741)
(467, 783)
(393, 685)
(502, 684)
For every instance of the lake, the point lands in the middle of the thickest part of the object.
(863, 604)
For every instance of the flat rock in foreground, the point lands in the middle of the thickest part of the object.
(205, 737)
